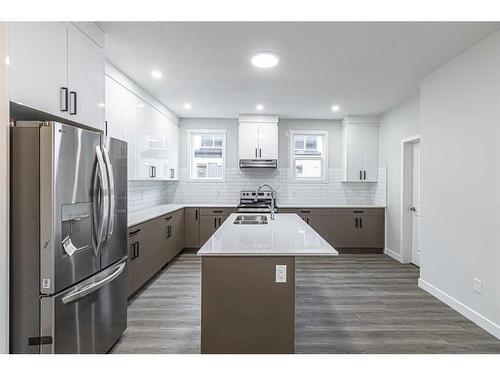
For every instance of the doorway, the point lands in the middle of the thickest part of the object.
(410, 200)
(415, 205)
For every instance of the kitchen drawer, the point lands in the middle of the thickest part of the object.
(306, 211)
(358, 211)
(217, 211)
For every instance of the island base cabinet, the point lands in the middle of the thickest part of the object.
(243, 309)
(210, 220)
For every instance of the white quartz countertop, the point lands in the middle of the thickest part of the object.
(287, 235)
(141, 216)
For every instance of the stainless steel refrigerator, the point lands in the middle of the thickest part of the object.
(68, 228)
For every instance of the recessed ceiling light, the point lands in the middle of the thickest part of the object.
(187, 105)
(260, 107)
(335, 108)
(7, 60)
(140, 105)
(101, 105)
(265, 60)
(156, 74)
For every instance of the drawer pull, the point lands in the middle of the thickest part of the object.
(358, 212)
(168, 217)
(305, 211)
(134, 232)
(217, 211)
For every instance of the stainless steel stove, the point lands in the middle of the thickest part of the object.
(248, 203)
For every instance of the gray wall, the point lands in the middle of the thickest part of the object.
(400, 122)
(333, 127)
(460, 184)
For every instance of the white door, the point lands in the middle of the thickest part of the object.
(354, 134)
(38, 66)
(370, 153)
(415, 206)
(248, 141)
(268, 141)
(85, 80)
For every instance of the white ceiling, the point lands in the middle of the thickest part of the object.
(365, 67)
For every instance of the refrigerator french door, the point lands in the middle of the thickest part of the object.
(68, 239)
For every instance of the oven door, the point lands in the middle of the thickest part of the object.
(89, 317)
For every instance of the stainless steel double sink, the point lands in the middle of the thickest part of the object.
(251, 219)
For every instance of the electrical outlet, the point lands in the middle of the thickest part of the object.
(280, 273)
(477, 286)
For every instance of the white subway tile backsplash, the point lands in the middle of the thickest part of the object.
(143, 194)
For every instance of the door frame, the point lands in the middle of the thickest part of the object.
(4, 188)
(406, 197)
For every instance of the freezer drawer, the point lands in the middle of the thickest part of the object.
(89, 317)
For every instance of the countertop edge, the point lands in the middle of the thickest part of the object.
(179, 206)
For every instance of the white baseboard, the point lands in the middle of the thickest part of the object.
(392, 254)
(470, 314)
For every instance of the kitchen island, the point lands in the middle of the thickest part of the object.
(248, 282)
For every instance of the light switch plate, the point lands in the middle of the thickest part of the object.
(281, 273)
(477, 286)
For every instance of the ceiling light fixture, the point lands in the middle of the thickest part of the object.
(101, 105)
(156, 74)
(188, 105)
(265, 60)
(335, 108)
(260, 107)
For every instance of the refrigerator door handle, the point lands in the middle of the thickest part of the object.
(82, 291)
(111, 183)
(103, 182)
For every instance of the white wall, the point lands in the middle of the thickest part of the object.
(4, 177)
(460, 185)
(400, 122)
(333, 192)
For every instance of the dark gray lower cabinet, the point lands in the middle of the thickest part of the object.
(358, 228)
(211, 219)
(152, 245)
(192, 227)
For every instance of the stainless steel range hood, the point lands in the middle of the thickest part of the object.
(258, 163)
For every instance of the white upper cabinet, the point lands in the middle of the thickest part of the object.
(38, 66)
(85, 80)
(258, 137)
(56, 68)
(360, 149)
(152, 137)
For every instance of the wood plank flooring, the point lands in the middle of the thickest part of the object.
(346, 304)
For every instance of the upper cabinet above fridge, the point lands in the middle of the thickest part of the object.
(360, 149)
(57, 68)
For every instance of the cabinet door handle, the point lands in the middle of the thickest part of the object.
(356, 222)
(255, 153)
(260, 153)
(154, 171)
(196, 214)
(360, 222)
(358, 212)
(134, 232)
(364, 175)
(132, 246)
(73, 103)
(305, 211)
(64, 99)
(172, 173)
(168, 218)
(215, 222)
(307, 220)
(138, 250)
(360, 175)
(217, 211)
(219, 221)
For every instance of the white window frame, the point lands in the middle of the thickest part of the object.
(324, 172)
(190, 133)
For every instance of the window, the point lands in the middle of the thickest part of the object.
(308, 155)
(207, 154)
